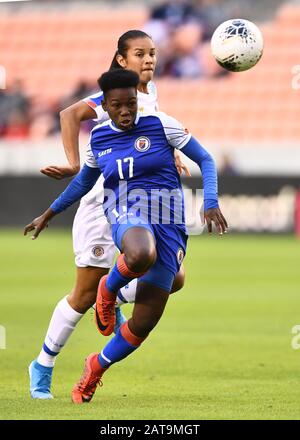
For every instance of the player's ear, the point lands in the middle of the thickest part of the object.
(121, 61)
(104, 106)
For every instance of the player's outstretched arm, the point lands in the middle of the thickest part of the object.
(70, 120)
(80, 185)
(212, 212)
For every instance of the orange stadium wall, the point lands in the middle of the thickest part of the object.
(52, 52)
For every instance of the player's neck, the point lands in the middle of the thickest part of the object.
(142, 87)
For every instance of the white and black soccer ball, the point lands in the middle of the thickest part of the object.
(237, 45)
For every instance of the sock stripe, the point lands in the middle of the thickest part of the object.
(124, 270)
(48, 351)
(104, 357)
(129, 336)
(121, 297)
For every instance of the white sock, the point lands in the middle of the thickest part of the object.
(127, 293)
(62, 324)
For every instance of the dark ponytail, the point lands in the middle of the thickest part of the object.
(114, 63)
(123, 45)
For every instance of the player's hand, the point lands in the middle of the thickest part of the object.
(39, 223)
(180, 165)
(214, 215)
(60, 172)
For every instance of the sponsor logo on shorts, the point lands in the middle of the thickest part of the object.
(142, 144)
(98, 251)
(180, 255)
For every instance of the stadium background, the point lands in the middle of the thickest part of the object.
(241, 298)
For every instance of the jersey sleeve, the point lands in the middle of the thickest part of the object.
(177, 136)
(78, 187)
(95, 101)
(90, 160)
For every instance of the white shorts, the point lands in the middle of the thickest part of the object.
(92, 241)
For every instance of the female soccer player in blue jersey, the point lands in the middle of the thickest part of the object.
(93, 245)
(138, 150)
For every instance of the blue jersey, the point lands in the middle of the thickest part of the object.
(141, 184)
(139, 172)
(138, 167)
(147, 103)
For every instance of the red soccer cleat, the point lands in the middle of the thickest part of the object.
(105, 316)
(84, 390)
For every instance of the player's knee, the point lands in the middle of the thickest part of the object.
(141, 259)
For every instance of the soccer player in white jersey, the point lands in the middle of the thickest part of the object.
(93, 245)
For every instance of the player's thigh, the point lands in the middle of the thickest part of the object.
(179, 279)
(171, 243)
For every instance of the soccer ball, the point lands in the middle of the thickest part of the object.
(237, 45)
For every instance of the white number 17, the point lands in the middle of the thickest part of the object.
(120, 167)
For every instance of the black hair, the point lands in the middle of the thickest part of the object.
(123, 45)
(118, 79)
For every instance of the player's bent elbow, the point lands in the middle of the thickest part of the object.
(77, 113)
(211, 159)
(67, 114)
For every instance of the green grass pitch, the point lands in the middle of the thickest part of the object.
(221, 351)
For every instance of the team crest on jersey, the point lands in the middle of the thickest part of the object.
(142, 144)
(180, 255)
(98, 251)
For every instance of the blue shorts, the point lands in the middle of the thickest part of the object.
(171, 243)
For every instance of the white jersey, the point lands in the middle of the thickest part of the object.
(147, 103)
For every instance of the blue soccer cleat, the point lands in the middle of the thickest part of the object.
(120, 319)
(40, 381)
